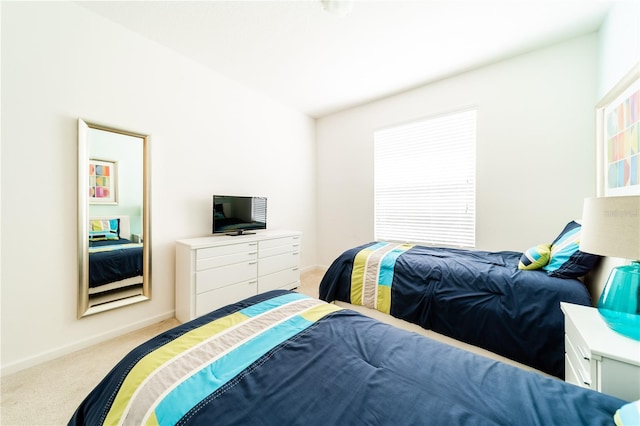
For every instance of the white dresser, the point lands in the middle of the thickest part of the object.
(597, 357)
(215, 271)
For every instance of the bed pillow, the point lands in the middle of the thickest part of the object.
(567, 261)
(102, 230)
(535, 257)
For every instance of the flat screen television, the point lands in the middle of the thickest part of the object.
(235, 215)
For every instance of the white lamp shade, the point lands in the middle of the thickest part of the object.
(611, 227)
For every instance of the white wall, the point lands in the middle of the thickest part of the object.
(618, 52)
(618, 44)
(535, 156)
(127, 152)
(208, 135)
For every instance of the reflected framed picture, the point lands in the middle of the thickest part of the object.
(618, 138)
(103, 183)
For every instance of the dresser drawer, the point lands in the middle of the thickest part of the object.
(208, 252)
(211, 279)
(271, 264)
(274, 251)
(229, 259)
(214, 299)
(287, 279)
(275, 242)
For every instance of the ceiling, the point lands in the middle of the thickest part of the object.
(319, 63)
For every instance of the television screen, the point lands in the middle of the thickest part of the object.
(235, 215)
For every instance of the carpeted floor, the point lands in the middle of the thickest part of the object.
(49, 393)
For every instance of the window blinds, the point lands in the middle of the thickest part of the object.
(424, 180)
(259, 209)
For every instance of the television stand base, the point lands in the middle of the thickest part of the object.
(240, 232)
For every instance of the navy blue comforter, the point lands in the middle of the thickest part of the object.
(342, 368)
(120, 259)
(477, 297)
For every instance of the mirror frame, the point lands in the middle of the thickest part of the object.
(83, 217)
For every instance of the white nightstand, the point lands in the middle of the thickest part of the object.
(597, 357)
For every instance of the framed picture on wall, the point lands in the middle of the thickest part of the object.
(618, 138)
(103, 181)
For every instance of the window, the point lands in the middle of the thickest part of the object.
(424, 180)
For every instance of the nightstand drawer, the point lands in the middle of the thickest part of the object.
(570, 375)
(578, 342)
(577, 368)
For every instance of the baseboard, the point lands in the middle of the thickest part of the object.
(93, 340)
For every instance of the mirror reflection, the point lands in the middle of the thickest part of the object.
(113, 218)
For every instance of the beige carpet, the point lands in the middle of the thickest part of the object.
(49, 393)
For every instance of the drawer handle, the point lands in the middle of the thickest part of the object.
(253, 282)
(253, 262)
(295, 253)
(582, 354)
(253, 244)
(582, 378)
(295, 269)
(253, 253)
(295, 245)
(296, 238)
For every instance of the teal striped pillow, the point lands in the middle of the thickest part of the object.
(567, 261)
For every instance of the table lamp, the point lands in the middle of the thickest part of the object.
(611, 227)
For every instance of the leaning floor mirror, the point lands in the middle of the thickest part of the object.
(114, 260)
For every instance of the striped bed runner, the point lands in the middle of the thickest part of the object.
(112, 247)
(372, 275)
(168, 382)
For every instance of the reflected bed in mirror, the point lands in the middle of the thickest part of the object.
(115, 260)
(113, 218)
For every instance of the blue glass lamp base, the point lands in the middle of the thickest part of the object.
(619, 304)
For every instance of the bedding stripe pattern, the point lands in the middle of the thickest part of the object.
(563, 249)
(479, 297)
(168, 382)
(100, 249)
(372, 275)
(345, 369)
(535, 257)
